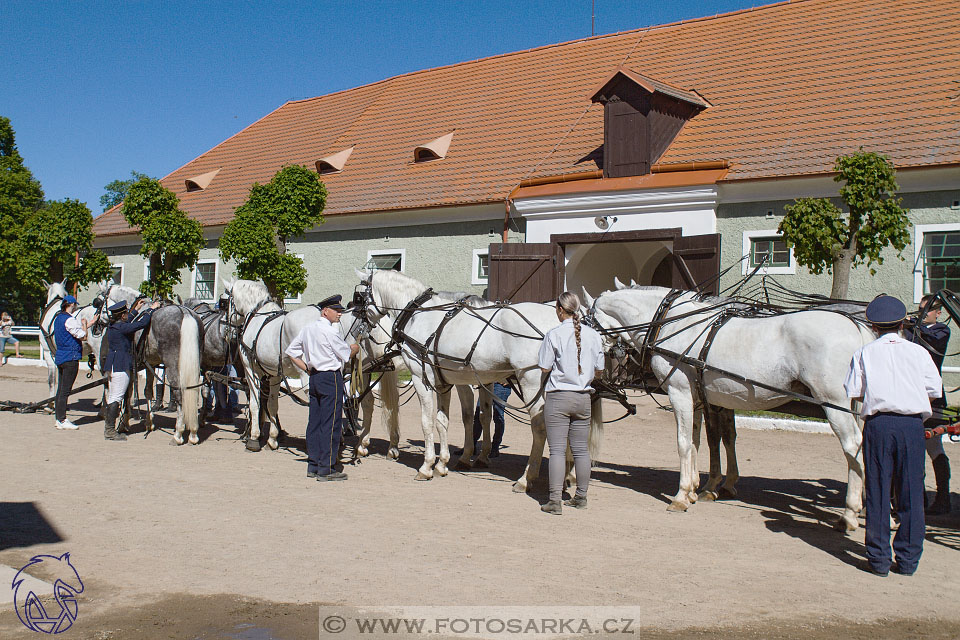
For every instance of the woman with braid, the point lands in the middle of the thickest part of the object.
(572, 356)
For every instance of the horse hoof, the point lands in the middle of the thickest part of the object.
(677, 507)
(708, 496)
(442, 470)
(462, 466)
(194, 439)
(481, 464)
(175, 443)
(422, 477)
(272, 444)
(393, 453)
(844, 526)
(727, 494)
(519, 487)
(363, 452)
(253, 445)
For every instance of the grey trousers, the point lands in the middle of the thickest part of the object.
(567, 417)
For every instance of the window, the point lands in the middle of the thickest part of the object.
(767, 248)
(117, 273)
(205, 280)
(937, 265)
(296, 299)
(480, 271)
(386, 259)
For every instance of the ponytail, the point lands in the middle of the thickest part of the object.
(569, 303)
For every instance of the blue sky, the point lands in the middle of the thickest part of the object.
(96, 89)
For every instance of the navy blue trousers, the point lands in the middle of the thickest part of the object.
(502, 392)
(893, 451)
(325, 424)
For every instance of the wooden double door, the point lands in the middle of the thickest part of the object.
(536, 272)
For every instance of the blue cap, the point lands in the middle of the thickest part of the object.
(333, 302)
(70, 299)
(886, 311)
(118, 307)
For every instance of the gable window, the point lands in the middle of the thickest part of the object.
(297, 298)
(937, 264)
(117, 273)
(386, 259)
(480, 272)
(205, 280)
(769, 251)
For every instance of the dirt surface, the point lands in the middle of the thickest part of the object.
(214, 542)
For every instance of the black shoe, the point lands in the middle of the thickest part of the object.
(495, 453)
(896, 569)
(332, 477)
(877, 572)
(311, 474)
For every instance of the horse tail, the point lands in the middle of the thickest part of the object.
(595, 438)
(390, 404)
(189, 368)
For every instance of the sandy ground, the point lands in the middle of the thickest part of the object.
(214, 542)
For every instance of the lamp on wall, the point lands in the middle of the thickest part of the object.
(603, 222)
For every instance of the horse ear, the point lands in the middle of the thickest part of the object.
(227, 285)
(45, 284)
(63, 283)
(587, 297)
(363, 275)
(633, 282)
(619, 285)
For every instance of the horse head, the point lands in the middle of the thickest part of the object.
(55, 290)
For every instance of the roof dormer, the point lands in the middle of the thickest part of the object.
(641, 117)
(334, 163)
(433, 150)
(202, 181)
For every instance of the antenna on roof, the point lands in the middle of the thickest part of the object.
(593, 14)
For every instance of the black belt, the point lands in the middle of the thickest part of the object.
(314, 371)
(894, 414)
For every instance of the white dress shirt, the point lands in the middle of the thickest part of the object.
(320, 346)
(73, 326)
(559, 354)
(893, 375)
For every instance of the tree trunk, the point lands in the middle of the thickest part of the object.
(842, 265)
(272, 289)
(156, 268)
(55, 273)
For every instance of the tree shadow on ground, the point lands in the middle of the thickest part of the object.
(22, 524)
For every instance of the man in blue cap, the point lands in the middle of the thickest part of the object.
(320, 351)
(68, 333)
(894, 379)
(118, 363)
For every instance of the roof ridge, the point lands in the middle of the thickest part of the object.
(552, 45)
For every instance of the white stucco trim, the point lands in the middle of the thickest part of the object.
(387, 252)
(918, 233)
(216, 279)
(119, 266)
(475, 266)
(146, 270)
(748, 236)
(299, 295)
(693, 209)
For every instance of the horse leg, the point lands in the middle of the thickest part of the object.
(273, 415)
(486, 415)
(390, 408)
(728, 432)
(253, 399)
(531, 386)
(443, 423)
(712, 415)
(366, 419)
(465, 393)
(847, 429)
(427, 417)
(148, 395)
(682, 401)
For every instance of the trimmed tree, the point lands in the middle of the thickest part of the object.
(256, 239)
(50, 242)
(170, 240)
(825, 239)
(116, 191)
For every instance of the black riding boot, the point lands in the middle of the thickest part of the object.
(110, 422)
(158, 398)
(941, 471)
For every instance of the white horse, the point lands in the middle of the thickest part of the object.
(474, 346)
(807, 352)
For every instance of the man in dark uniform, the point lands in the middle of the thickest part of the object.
(933, 336)
(118, 364)
(895, 380)
(320, 351)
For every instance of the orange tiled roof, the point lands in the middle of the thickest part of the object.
(792, 85)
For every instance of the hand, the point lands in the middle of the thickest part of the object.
(95, 319)
(354, 349)
(155, 305)
(84, 324)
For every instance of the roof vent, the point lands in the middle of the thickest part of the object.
(334, 163)
(433, 150)
(202, 181)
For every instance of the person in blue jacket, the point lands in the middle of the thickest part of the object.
(68, 333)
(118, 364)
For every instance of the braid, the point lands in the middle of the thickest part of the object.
(576, 332)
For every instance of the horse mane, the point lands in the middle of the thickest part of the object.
(470, 299)
(396, 289)
(120, 293)
(247, 294)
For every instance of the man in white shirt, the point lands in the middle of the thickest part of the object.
(895, 380)
(320, 351)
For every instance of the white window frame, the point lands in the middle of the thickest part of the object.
(216, 277)
(146, 270)
(119, 266)
(475, 266)
(387, 252)
(918, 232)
(299, 297)
(748, 237)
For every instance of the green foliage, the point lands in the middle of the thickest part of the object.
(821, 234)
(49, 242)
(170, 240)
(116, 191)
(20, 196)
(286, 207)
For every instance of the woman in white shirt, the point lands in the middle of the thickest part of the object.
(572, 355)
